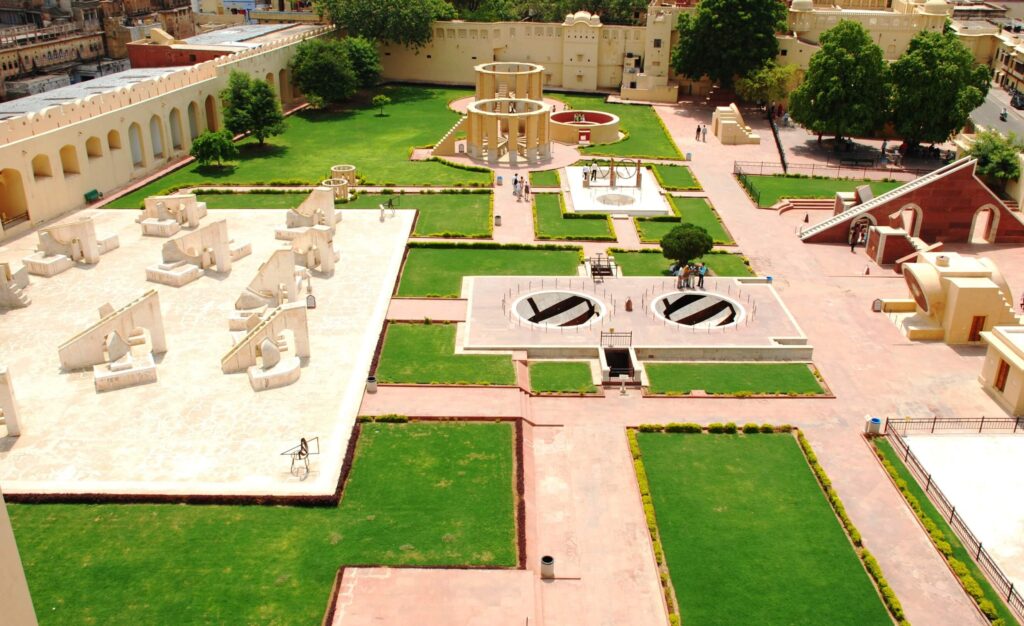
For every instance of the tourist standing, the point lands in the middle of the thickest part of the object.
(686, 276)
(517, 190)
(702, 270)
(698, 133)
(515, 181)
(704, 133)
(526, 189)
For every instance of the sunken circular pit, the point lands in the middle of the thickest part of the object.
(558, 309)
(698, 309)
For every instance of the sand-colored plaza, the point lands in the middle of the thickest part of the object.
(196, 430)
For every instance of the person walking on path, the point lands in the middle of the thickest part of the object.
(517, 190)
(526, 189)
(704, 133)
(515, 182)
(702, 270)
(697, 137)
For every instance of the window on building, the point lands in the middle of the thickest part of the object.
(784, 51)
(657, 43)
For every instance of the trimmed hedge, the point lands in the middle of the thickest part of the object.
(715, 428)
(388, 418)
(892, 603)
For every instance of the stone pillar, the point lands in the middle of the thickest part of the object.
(513, 139)
(473, 140)
(531, 138)
(492, 136)
(537, 85)
(523, 86)
(17, 603)
(544, 136)
(8, 405)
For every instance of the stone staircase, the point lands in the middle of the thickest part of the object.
(865, 207)
(804, 204)
(446, 146)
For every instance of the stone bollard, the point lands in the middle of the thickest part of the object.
(547, 567)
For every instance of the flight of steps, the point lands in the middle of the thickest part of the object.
(19, 297)
(804, 204)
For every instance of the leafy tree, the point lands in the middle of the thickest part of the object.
(235, 98)
(212, 146)
(381, 101)
(846, 87)
(407, 22)
(265, 116)
(365, 59)
(322, 69)
(936, 85)
(723, 39)
(768, 83)
(685, 243)
(998, 156)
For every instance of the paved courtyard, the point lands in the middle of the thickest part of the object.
(196, 430)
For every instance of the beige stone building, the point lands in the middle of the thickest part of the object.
(16, 602)
(1002, 374)
(97, 136)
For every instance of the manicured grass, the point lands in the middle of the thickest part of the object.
(316, 140)
(654, 264)
(732, 378)
(676, 177)
(546, 178)
(425, 354)
(744, 512)
(959, 551)
(441, 214)
(561, 377)
(418, 494)
(647, 137)
(692, 211)
(252, 200)
(550, 223)
(775, 188)
(438, 272)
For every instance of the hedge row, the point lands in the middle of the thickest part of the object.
(716, 428)
(969, 583)
(652, 528)
(870, 564)
(389, 418)
(486, 245)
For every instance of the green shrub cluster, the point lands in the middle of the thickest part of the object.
(728, 428)
(716, 428)
(652, 522)
(870, 564)
(389, 418)
(938, 537)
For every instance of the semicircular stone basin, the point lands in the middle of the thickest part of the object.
(558, 308)
(698, 308)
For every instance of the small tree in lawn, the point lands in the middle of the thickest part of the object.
(685, 243)
(381, 101)
(214, 146)
(236, 98)
(998, 156)
(265, 116)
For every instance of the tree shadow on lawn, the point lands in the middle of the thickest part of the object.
(216, 171)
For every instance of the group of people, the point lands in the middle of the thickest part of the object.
(689, 274)
(702, 133)
(520, 188)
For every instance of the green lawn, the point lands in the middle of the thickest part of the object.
(316, 140)
(419, 494)
(749, 537)
(252, 200)
(546, 178)
(692, 211)
(654, 264)
(775, 188)
(561, 377)
(425, 354)
(731, 378)
(676, 177)
(647, 137)
(437, 272)
(441, 214)
(959, 552)
(550, 223)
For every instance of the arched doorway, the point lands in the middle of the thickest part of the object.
(211, 113)
(283, 86)
(13, 206)
(93, 148)
(114, 140)
(156, 137)
(910, 219)
(69, 160)
(175, 120)
(41, 167)
(984, 225)
(135, 141)
(193, 120)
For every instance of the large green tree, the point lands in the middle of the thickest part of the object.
(686, 242)
(322, 70)
(935, 86)
(724, 39)
(265, 116)
(234, 98)
(365, 59)
(998, 156)
(845, 91)
(768, 83)
(407, 22)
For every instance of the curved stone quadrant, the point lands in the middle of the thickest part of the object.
(558, 308)
(698, 309)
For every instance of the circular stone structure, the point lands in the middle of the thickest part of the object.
(337, 185)
(509, 80)
(515, 127)
(345, 172)
(575, 127)
(615, 199)
(698, 309)
(558, 309)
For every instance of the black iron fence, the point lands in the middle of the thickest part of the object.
(1002, 585)
(995, 425)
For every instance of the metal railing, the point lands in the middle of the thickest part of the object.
(1000, 583)
(616, 340)
(996, 425)
(769, 168)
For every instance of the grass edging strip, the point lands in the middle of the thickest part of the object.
(967, 572)
(652, 167)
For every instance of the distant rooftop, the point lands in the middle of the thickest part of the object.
(235, 35)
(62, 95)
